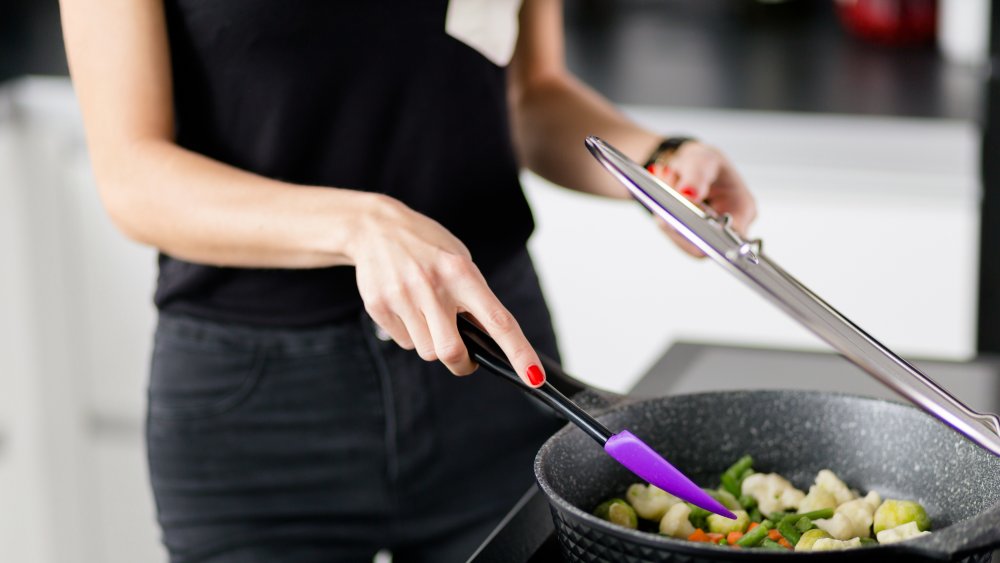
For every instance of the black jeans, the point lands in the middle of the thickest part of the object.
(327, 444)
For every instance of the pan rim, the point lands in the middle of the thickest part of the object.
(925, 545)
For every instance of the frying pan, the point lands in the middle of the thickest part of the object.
(871, 444)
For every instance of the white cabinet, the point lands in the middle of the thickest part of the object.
(78, 321)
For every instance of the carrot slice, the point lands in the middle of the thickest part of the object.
(714, 537)
(753, 525)
(734, 537)
(698, 535)
(774, 534)
(785, 543)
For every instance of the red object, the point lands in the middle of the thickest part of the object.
(734, 537)
(535, 375)
(666, 170)
(785, 543)
(752, 525)
(890, 22)
(713, 537)
(774, 535)
(689, 192)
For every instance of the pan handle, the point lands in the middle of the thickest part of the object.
(587, 397)
(487, 353)
(973, 535)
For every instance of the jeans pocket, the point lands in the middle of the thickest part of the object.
(191, 380)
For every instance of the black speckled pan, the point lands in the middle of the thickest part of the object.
(872, 444)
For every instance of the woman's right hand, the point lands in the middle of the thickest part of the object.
(415, 277)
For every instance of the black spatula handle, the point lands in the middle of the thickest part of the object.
(487, 353)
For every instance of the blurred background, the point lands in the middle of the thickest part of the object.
(860, 126)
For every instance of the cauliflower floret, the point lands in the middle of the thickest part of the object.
(829, 482)
(829, 544)
(649, 501)
(862, 511)
(900, 533)
(772, 491)
(852, 519)
(675, 522)
(817, 499)
(840, 526)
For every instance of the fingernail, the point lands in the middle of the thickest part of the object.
(666, 170)
(535, 375)
(651, 168)
(689, 192)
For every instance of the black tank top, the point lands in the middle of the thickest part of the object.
(370, 95)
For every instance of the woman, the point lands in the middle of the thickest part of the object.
(323, 178)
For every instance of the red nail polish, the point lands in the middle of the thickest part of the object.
(535, 375)
(651, 168)
(689, 192)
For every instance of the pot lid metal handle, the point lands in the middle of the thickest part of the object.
(745, 259)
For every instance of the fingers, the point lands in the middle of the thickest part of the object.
(703, 175)
(394, 327)
(679, 240)
(696, 168)
(448, 345)
(733, 197)
(498, 322)
(416, 326)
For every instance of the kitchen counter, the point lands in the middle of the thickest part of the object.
(526, 534)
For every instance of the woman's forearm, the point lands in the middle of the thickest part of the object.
(551, 119)
(201, 210)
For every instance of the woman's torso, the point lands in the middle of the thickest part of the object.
(371, 95)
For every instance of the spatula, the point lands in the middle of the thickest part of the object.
(625, 447)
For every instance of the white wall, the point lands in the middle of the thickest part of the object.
(878, 216)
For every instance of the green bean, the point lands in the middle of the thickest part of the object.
(789, 518)
(804, 524)
(730, 484)
(777, 516)
(868, 541)
(819, 514)
(740, 466)
(755, 515)
(722, 541)
(698, 517)
(771, 544)
(747, 501)
(788, 530)
(733, 477)
(754, 536)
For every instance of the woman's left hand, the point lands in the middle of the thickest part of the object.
(706, 177)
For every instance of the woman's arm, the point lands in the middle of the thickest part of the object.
(552, 112)
(413, 275)
(162, 195)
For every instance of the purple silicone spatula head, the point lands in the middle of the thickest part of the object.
(643, 460)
